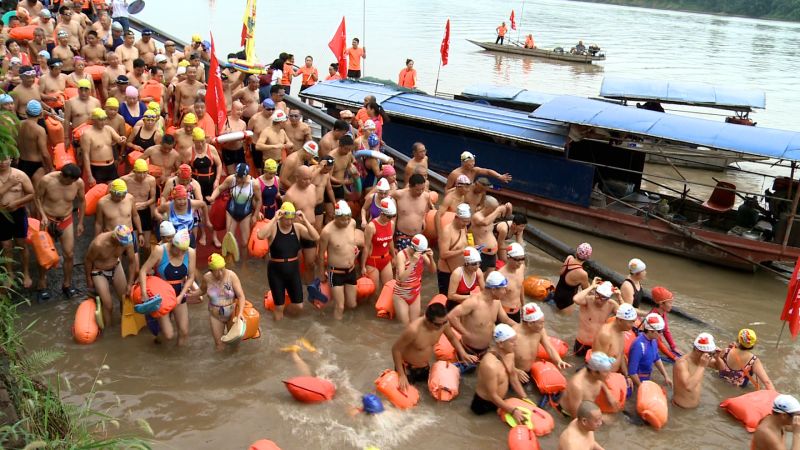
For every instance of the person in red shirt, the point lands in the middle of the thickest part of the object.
(354, 55)
(408, 76)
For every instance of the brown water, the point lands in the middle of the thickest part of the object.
(196, 398)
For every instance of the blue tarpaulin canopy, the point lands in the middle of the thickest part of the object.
(682, 92)
(490, 120)
(757, 141)
(492, 92)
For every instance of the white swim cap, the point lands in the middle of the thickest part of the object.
(705, 343)
(463, 211)
(636, 265)
(496, 280)
(419, 243)
(503, 332)
(782, 404)
(653, 322)
(605, 290)
(383, 185)
(515, 250)
(626, 311)
(388, 206)
(531, 312)
(166, 228)
(341, 208)
(471, 255)
(601, 362)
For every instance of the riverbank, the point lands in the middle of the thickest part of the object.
(670, 5)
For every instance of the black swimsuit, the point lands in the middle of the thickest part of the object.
(283, 275)
(637, 293)
(204, 171)
(142, 142)
(565, 291)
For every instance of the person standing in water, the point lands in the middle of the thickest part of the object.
(770, 432)
(579, 434)
(572, 278)
(631, 287)
(689, 369)
(226, 298)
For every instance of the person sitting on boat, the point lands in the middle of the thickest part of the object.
(471, 171)
(738, 365)
(529, 41)
(501, 33)
(579, 49)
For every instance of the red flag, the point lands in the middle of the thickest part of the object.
(445, 49)
(513, 23)
(791, 309)
(215, 96)
(338, 45)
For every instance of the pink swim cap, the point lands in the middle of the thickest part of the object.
(584, 251)
(131, 91)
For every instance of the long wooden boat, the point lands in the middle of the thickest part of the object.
(539, 52)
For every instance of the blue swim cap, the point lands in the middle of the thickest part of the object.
(372, 404)
(5, 98)
(34, 108)
(373, 140)
(268, 103)
(242, 169)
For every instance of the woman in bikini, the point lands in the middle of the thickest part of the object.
(410, 264)
(225, 297)
(739, 366)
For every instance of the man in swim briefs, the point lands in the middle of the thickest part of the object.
(413, 204)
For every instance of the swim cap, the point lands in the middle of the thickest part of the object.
(33, 108)
(388, 171)
(83, 83)
(196, 38)
(515, 250)
(288, 210)
(626, 311)
(114, 26)
(388, 207)
(372, 404)
(346, 113)
(463, 179)
(786, 404)
(705, 343)
(419, 243)
(268, 104)
(270, 166)
(216, 261)
(605, 290)
(140, 165)
(383, 185)
(181, 239)
(179, 191)
(190, 119)
(532, 313)
(242, 169)
(181, 70)
(661, 294)
(747, 338)
(471, 255)
(159, 58)
(584, 251)
(99, 114)
(166, 228)
(503, 332)
(466, 156)
(118, 186)
(636, 265)
(601, 362)
(483, 181)
(44, 53)
(311, 148)
(197, 133)
(463, 211)
(131, 91)
(373, 140)
(653, 322)
(123, 234)
(185, 171)
(62, 33)
(279, 116)
(496, 280)
(369, 125)
(5, 99)
(183, 63)
(341, 208)
(154, 106)
(150, 114)
(112, 102)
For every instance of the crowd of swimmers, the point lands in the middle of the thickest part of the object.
(343, 216)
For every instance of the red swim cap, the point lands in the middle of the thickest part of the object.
(179, 191)
(661, 294)
(185, 171)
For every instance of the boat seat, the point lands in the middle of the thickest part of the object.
(722, 198)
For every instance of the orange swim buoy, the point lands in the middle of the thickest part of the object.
(96, 71)
(252, 319)
(55, 131)
(58, 103)
(619, 390)
(263, 444)
(93, 196)
(63, 155)
(750, 408)
(385, 306)
(269, 302)
(258, 248)
(156, 286)
(84, 328)
(70, 92)
(45, 249)
(444, 380)
(560, 347)
(217, 213)
(651, 403)
(364, 287)
(388, 385)
(33, 225)
(537, 288)
(541, 421)
(430, 229)
(522, 438)
(548, 379)
(440, 299)
(310, 389)
(444, 350)
(133, 156)
(23, 33)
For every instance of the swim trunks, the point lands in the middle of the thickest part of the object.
(443, 281)
(580, 349)
(415, 374)
(232, 157)
(340, 277)
(401, 240)
(14, 225)
(56, 227)
(319, 209)
(488, 261)
(29, 167)
(104, 173)
(481, 406)
(338, 192)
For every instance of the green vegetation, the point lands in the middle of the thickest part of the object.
(761, 9)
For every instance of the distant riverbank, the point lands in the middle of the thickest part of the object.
(787, 10)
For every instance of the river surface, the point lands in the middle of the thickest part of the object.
(196, 398)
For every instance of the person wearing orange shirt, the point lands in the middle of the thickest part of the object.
(529, 42)
(501, 33)
(408, 76)
(354, 55)
(309, 75)
(289, 72)
(333, 72)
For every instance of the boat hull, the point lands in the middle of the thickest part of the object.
(538, 53)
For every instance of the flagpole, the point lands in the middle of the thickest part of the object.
(436, 88)
(780, 334)
(521, 14)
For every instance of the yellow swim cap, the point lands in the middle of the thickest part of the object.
(140, 165)
(99, 114)
(270, 165)
(196, 38)
(183, 63)
(216, 261)
(198, 134)
(289, 210)
(747, 338)
(155, 107)
(150, 114)
(190, 119)
(112, 103)
(118, 186)
(84, 83)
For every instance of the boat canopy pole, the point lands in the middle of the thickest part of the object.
(791, 217)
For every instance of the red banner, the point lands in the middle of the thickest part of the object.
(215, 95)
(511, 19)
(338, 45)
(791, 309)
(445, 48)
